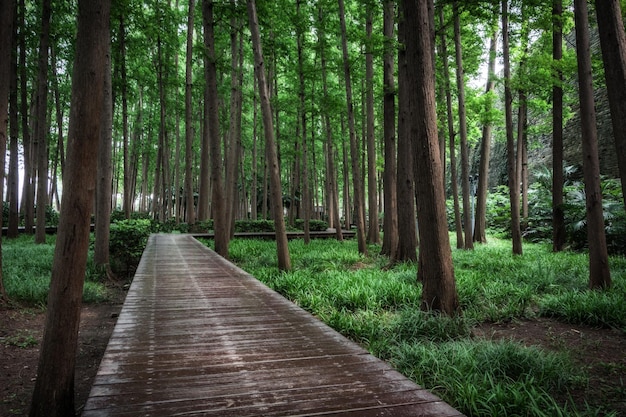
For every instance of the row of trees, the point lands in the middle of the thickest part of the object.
(128, 131)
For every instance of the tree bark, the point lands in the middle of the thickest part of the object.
(514, 186)
(54, 389)
(435, 269)
(284, 261)
(28, 193)
(359, 203)
(128, 183)
(190, 216)
(390, 222)
(373, 233)
(454, 185)
(41, 130)
(613, 44)
(306, 198)
(104, 172)
(599, 274)
(485, 150)
(13, 180)
(407, 230)
(211, 123)
(7, 9)
(558, 213)
(465, 174)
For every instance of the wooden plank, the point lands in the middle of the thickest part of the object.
(199, 336)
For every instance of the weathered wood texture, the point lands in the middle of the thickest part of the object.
(199, 336)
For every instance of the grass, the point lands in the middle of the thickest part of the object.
(27, 267)
(378, 307)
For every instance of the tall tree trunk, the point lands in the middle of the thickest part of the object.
(599, 273)
(254, 203)
(407, 232)
(190, 216)
(104, 171)
(306, 199)
(282, 249)
(28, 194)
(485, 149)
(54, 389)
(13, 180)
(7, 9)
(60, 151)
(211, 127)
(514, 187)
(390, 224)
(373, 233)
(454, 185)
(41, 130)
(435, 271)
(359, 204)
(558, 213)
(128, 183)
(613, 44)
(465, 174)
(522, 120)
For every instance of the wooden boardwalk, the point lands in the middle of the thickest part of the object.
(199, 336)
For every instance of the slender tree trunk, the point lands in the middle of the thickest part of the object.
(128, 184)
(54, 389)
(284, 261)
(465, 174)
(189, 152)
(435, 271)
(522, 121)
(60, 151)
(454, 185)
(254, 203)
(104, 171)
(373, 233)
(407, 232)
(211, 127)
(514, 186)
(41, 130)
(485, 150)
(28, 195)
(13, 180)
(347, 208)
(558, 213)
(359, 204)
(306, 198)
(613, 44)
(390, 225)
(599, 273)
(7, 9)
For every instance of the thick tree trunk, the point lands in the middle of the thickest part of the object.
(284, 261)
(41, 123)
(514, 186)
(558, 213)
(599, 273)
(613, 44)
(104, 172)
(435, 271)
(190, 215)
(465, 174)
(390, 224)
(485, 150)
(454, 185)
(54, 389)
(359, 203)
(407, 231)
(211, 123)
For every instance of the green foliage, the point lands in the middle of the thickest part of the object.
(314, 225)
(27, 269)
(127, 240)
(23, 339)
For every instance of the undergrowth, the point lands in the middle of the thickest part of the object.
(378, 307)
(27, 268)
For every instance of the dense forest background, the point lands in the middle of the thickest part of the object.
(157, 100)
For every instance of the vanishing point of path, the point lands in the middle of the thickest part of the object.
(198, 336)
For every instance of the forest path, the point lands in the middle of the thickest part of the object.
(199, 336)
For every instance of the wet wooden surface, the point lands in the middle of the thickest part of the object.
(198, 336)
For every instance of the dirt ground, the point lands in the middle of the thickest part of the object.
(601, 352)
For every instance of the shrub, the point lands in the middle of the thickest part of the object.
(128, 239)
(314, 225)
